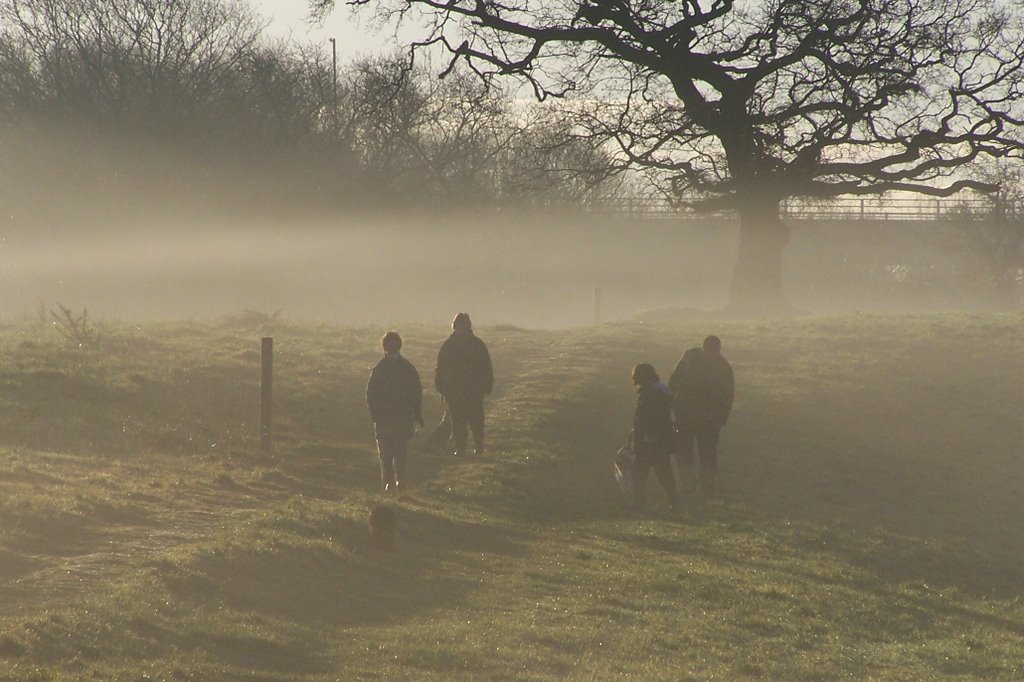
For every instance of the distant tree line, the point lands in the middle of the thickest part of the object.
(148, 100)
(994, 236)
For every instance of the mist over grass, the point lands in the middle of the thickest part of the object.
(529, 268)
(379, 269)
(134, 226)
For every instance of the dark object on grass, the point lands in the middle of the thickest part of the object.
(382, 527)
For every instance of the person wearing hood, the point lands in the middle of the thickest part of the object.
(394, 395)
(653, 436)
(463, 377)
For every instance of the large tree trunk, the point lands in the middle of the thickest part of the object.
(757, 279)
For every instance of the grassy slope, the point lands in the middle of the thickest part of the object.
(869, 527)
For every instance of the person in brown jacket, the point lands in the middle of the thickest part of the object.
(704, 387)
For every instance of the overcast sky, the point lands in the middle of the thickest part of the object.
(288, 17)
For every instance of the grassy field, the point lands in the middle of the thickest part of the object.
(869, 526)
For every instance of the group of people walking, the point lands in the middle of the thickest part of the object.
(683, 417)
(394, 394)
(699, 395)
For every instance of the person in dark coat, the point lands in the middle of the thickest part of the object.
(394, 395)
(653, 436)
(704, 388)
(463, 377)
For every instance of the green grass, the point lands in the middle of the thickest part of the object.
(869, 525)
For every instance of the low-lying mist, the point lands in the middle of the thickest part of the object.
(530, 269)
(150, 231)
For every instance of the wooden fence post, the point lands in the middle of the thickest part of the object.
(266, 394)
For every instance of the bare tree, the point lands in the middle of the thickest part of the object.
(454, 140)
(743, 104)
(555, 163)
(155, 98)
(994, 233)
(154, 60)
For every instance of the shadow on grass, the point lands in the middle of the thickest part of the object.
(246, 653)
(346, 581)
(98, 410)
(931, 497)
(779, 581)
(924, 494)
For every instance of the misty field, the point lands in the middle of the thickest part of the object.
(535, 269)
(869, 525)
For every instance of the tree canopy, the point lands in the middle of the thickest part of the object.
(117, 104)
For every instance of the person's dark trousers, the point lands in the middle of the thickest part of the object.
(393, 455)
(705, 437)
(685, 462)
(467, 413)
(707, 449)
(662, 465)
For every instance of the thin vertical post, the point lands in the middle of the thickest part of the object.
(334, 73)
(597, 305)
(266, 394)
(334, 82)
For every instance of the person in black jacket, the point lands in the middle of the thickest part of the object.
(653, 436)
(704, 387)
(394, 395)
(463, 377)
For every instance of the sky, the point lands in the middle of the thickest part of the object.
(354, 36)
